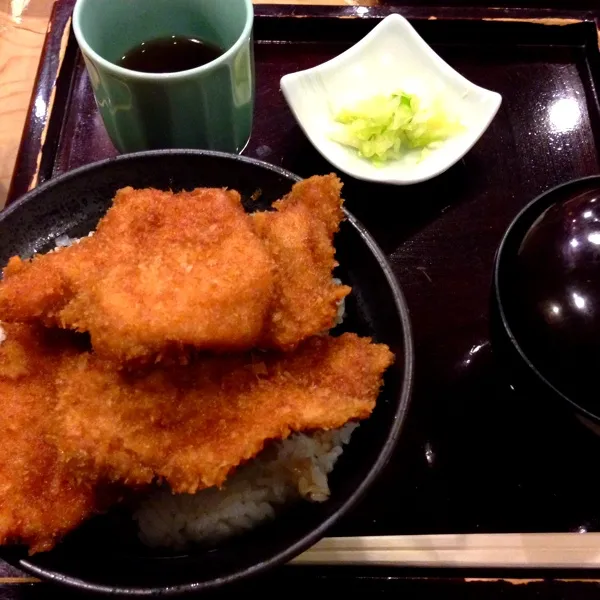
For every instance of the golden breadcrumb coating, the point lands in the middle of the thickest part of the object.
(299, 235)
(40, 498)
(167, 272)
(163, 271)
(192, 425)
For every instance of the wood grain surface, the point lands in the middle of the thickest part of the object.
(22, 31)
(23, 25)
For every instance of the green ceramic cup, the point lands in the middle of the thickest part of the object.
(208, 107)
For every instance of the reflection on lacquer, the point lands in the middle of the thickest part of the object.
(429, 454)
(564, 114)
(40, 108)
(473, 351)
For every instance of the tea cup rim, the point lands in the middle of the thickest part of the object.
(115, 69)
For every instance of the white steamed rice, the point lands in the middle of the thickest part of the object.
(62, 241)
(285, 471)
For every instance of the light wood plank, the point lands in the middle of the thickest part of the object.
(491, 551)
(22, 31)
(535, 550)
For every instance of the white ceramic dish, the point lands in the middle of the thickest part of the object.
(392, 56)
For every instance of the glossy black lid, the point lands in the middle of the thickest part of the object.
(547, 285)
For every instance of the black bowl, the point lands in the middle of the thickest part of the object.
(104, 555)
(515, 336)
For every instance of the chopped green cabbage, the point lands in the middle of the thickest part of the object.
(384, 128)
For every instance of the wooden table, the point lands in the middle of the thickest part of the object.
(23, 25)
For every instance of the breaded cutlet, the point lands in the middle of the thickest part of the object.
(163, 271)
(299, 235)
(41, 498)
(192, 425)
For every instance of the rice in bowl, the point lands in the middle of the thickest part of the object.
(287, 470)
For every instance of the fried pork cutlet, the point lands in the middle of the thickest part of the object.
(40, 500)
(192, 425)
(299, 235)
(163, 271)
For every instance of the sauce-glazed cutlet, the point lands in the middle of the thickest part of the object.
(41, 499)
(163, 271)
(299, 235)
(192, 425)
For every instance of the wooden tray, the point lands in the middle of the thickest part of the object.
(474, 457)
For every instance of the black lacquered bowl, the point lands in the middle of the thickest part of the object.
(526, 374)
(105, 555)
